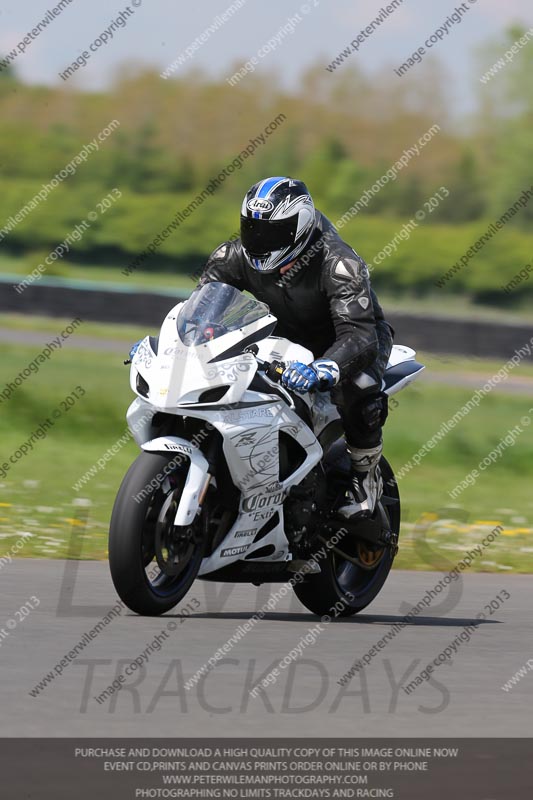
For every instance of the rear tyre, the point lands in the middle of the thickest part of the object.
(343, 588)
(153, 563)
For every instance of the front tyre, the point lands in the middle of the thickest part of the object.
(343, 588)
(153, 563)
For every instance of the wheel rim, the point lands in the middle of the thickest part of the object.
(170, 553)
(355, 579)
(369, 556)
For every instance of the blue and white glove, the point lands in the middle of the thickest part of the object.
(134, 349)
(301, 378)
(328, 372)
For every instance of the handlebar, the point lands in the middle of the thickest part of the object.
(272, 369)
(275, 369)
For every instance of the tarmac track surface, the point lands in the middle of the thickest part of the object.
(463, 698)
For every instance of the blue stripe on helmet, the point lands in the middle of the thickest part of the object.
(265, 187)
(268, 185)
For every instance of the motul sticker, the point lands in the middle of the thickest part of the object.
(233, 551)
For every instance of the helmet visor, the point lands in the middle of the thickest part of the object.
(260, 236)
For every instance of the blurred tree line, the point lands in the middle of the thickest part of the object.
(343, 130)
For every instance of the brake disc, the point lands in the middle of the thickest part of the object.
(174, 545)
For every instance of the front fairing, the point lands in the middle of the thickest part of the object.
(169, 374)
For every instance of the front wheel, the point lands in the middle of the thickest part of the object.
(344, 586)
(153, 563)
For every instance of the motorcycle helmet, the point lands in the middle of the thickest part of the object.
(277, 221)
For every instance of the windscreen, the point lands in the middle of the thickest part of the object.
(215, 309)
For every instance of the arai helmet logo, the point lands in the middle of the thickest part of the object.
(257, 204)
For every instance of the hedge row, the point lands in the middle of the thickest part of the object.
(403, 257)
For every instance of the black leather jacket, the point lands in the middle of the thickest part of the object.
(324, 302)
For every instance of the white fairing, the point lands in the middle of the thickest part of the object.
(399, 354)
(249, 421)
(196, 475)
(402, 355)
(178, 374)
(251, 438)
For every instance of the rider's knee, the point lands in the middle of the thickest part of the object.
(374, 411)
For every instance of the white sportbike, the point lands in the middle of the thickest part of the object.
(239, 479)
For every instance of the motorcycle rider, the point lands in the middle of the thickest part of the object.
(290, 256)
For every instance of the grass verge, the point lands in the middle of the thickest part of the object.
(40, 508)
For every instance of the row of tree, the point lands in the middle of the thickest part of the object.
(341, 132)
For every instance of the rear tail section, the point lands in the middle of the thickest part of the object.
(402, 369)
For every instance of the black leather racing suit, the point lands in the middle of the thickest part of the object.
(325, 303)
